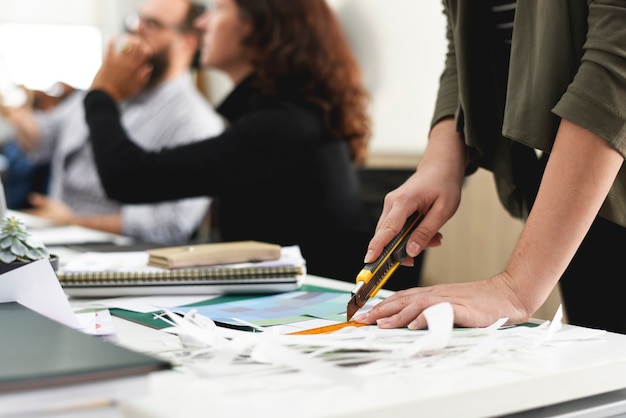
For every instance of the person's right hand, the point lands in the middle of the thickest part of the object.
(434, 190)
(8, 107)
(124, 72)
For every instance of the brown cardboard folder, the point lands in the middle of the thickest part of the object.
(213, 254)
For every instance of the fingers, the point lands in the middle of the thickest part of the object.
(397, 311)
(127, 48)
(137, 48)
(423, 235)
(124, 71)
(389, 225)
(110, 47)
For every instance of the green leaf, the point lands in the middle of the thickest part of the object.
(18, 248)
(6, 242)
(35, 254)
(7, 258)
(33, 243)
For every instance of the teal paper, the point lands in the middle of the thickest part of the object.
(278, 309)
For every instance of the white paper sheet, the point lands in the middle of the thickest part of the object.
(35, 285)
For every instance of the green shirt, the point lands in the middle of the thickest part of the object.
(568, 60)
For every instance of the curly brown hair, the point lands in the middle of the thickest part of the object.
(300, 47)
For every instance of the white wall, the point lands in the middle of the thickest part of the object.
(107, 14)
(45, 41)
(400, 45)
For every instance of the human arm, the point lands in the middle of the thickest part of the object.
(440, 171)
(39, 131)
(60, 213)
(124, 72)
(27, 118)
(434, 190)
(25, 124)
(166, 222)
(578, 176)
(256, 151)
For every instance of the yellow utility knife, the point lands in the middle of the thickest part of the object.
(374, 275)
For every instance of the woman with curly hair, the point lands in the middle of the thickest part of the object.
(284, 170)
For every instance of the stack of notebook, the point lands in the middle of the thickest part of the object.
(47, 367)
(239, 267)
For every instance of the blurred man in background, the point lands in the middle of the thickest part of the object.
(169, 111)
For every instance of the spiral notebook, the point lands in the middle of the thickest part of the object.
(111, 274)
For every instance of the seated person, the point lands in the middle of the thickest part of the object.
(21, 176)
(168, 111)
(284, 170)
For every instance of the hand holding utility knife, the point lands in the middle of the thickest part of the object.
(374, 275)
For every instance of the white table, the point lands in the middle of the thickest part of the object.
(587, 378)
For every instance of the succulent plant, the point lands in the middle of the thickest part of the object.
(16, 243)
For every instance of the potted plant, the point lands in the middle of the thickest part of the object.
(18, 247)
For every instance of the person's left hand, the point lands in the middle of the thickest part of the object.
(126, 71)
(53, 210)
(475, 304)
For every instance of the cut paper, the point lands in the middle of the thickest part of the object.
(96, 322)
(362, 351)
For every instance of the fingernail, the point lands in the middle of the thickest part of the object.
(361, 318)
(368, 256)
(382, 322)
(413, 325)
(412, 249)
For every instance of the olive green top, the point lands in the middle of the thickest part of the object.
(568, 60)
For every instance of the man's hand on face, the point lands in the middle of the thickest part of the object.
(124, 70)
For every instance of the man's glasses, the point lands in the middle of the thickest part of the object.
(133, 20)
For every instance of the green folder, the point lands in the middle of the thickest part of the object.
(39, 353)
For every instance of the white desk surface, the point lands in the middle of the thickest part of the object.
(586, 378)
(561, 374)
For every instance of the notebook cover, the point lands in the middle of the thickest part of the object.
(38, 352)
(213, 254)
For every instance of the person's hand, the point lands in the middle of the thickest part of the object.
(418, 193)
(8, 109)
(434, 190)
(53, 210)
(46, 100)
(126, 71)
(475, 304)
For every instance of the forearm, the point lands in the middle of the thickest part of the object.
(578, 176)
(446, 147)
(167, 222)
(434, 189)
(107, 223)
(115, 155)
(26, 130)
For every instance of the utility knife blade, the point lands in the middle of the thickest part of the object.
(374, 275)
